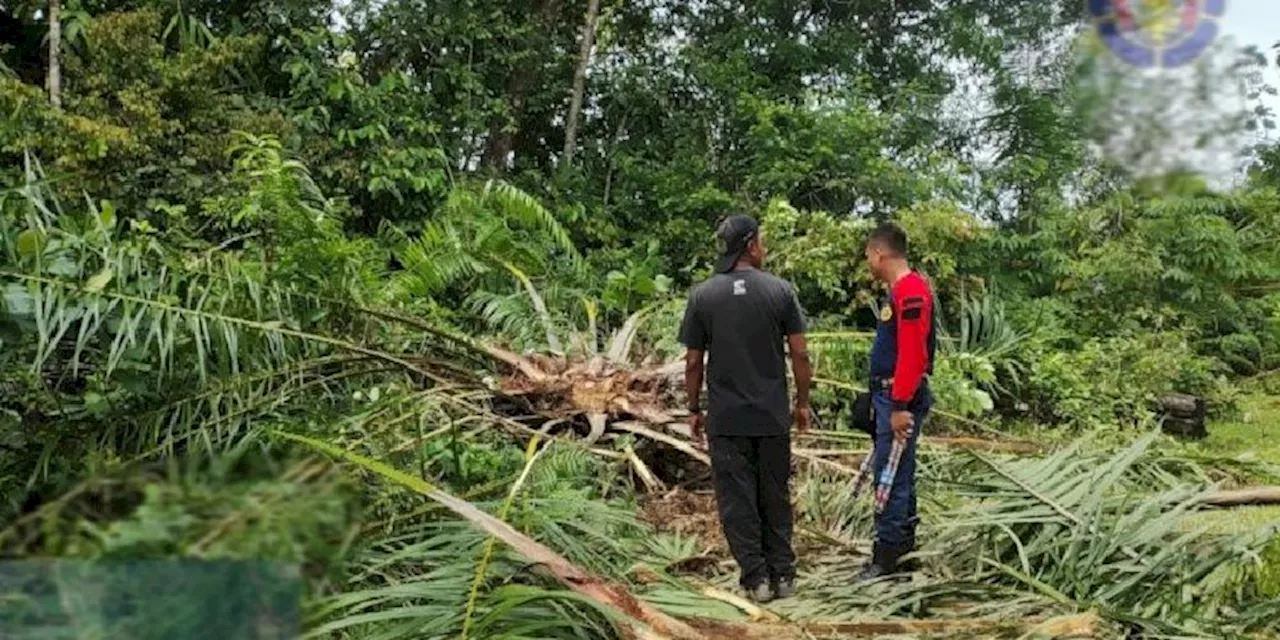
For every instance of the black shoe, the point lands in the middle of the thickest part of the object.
(870, 572)
(761, 593)
(884, 562)
(910, 565)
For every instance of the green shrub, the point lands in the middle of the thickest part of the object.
(1114, 380)
(1268, 576)
(1240, 351)
(957, 384)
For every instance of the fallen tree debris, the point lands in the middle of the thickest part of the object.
(1001, 445)
(681, 445)
(1246, 497)
(823, 462)
(597, 388)
(1075, 626)
(754, 613)
(978, 444)
(614, 596)
(604, 397)
(646, 475)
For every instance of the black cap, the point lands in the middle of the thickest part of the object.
(733, 236)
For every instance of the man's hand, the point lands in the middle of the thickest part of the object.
(802, 416)
(902, 421)
(695, 428)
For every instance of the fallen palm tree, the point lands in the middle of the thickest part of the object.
(611, 397)
(1054, 527)
(642, 621)
(658, 625)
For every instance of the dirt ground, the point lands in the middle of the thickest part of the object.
(693, 514)
(686, 513)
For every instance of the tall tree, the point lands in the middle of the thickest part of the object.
(523, 79)
(54, 81)
(580, 81)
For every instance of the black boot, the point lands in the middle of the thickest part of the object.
(884, 562)
(910, 565)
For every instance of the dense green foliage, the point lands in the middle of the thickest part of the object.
(246, 218)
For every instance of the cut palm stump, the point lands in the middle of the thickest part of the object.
(1183, 415)
(597, 390)
(606, 397)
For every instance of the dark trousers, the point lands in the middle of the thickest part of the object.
(896, 524)
(753, 493)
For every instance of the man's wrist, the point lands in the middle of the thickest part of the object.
(901, 405)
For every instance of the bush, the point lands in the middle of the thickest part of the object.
(1114, 380)
(1268, 576)
(957, 383)
(1240, 351)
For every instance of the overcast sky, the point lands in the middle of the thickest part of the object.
(1256, 22)
(1253, 22)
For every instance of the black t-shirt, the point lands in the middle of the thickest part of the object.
(741, 319)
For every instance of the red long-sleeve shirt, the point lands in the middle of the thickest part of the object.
(913, 312)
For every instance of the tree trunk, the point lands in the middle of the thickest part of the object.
(1071, 626)
(54, 80)
(501, 140)
(580, 82)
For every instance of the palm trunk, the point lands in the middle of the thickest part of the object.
(1246, 497)
(580, 81)
(54, 80)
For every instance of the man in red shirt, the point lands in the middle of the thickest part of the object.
(901, 360)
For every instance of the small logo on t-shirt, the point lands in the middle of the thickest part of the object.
(739, 287)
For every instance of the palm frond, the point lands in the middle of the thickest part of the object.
(163, 321)
(510, 314)
(214, 414)
(523, 208)
(984, 329)
(1069, 528)
(532, 453)
(986, 336)
(619, 347)
(610, 597)
(592, 338)
(436, 260)
(539, 305)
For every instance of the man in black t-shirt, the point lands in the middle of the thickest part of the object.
(738, 321)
